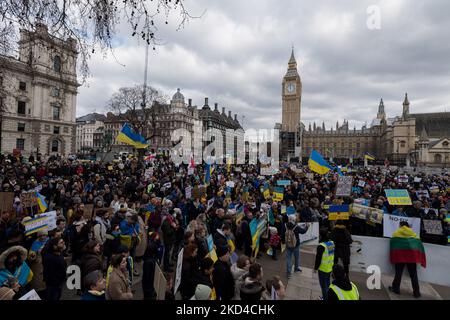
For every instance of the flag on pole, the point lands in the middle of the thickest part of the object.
(208, 172)
(128, 136)
(318, 164)
(368, 156)
(41, 202)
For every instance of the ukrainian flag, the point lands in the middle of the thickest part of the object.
(41, 202)
(368, 156)
(208, 172)
(128, 136)
(318, 164)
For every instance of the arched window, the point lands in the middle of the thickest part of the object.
(57, 63)
(445, 144)
(55, 145)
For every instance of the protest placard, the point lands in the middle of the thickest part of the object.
(230, 184)
(50, 219)
(434, 189)
(88, 211)
(367, 213)
(344, 186)
(148, 173)
(167, 185)
(417, 179)
(188, 192)
(422, 194)
(284, 182)
(398, 197)
(190, 171)
(31, 295)
(6, 201)
(278, 194)
(268, 171)
(211, 250)
(391, 224)
(339, 212)
(34, 225)
(403, 179)
(310, 175)
(159, 283)
(433, 227)
(311, 237)
(361, 183)
(178, 270)
(28, 199)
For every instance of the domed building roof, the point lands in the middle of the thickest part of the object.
(178, 97)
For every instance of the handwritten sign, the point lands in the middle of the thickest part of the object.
(392, 223)
(28, 199)
(6, 201)
(188, 192)
(398, 197)
(344, 186)
(35, 225)
(433, 227)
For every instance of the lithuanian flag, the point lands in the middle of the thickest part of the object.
(406, 247)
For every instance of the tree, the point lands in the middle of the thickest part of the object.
(91, 23)
(139, 108)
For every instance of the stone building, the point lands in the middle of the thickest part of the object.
(88, 131)
(38, 92)
(409, 139)
(226, 132)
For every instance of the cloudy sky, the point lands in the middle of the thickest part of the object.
(237, 55)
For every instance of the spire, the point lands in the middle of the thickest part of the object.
(406, 107)
(406, 102)
(323, 125)
(424, 135)
(310, 126)
(381, 114)
(292, 62)
(337, 125)
(314, 126)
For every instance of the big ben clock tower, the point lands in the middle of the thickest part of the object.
(292, 97)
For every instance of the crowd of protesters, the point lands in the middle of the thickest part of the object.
(141, 216)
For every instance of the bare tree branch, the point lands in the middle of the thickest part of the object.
(91, 22)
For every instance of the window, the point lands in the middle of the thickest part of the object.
(55, 130)
(57, 63)
(402, 144)
(21, 127)
(445, 144)
(22, 86)
(55, 92)
(20, 144)
(56, 113)
(21, 106)
(55, 145)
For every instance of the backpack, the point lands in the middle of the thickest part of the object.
(291, 239)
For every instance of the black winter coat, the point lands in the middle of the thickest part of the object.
(54, 269)
(342, 240)
(223, 280)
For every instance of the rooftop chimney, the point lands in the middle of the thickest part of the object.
(235, 117)
(206, 102)
(190, 102)
(223, 110)
(229, 114)
(216, 107)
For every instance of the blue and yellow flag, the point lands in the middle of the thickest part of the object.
(128, 136)
(318, 164)
(208, 172)
(368, 156)
(41, 202)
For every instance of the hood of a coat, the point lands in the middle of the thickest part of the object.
(237, 272)
(23, 254)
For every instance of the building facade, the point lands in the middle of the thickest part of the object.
(38, 92)
(89, 128)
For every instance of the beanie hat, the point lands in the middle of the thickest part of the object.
(202, 292)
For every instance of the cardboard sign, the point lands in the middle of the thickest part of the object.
(417, 179)
(190, 171)
(398, 197)
(403, 179)
(268, 171)
(230, 184)
(433, 227)
(6, 201)
(361, 183)
(50, 219)
(88, 211)
(148, 174)
(344, 186)
(159, 283)
(310, 175)
(28, 199)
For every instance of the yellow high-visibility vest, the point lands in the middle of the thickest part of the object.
(326, 265)
(346, 295)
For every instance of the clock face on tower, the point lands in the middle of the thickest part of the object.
(290, 88)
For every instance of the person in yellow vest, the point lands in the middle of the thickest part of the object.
(341, 288)
(324, 261)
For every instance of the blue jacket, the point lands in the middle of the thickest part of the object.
(127, 229)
